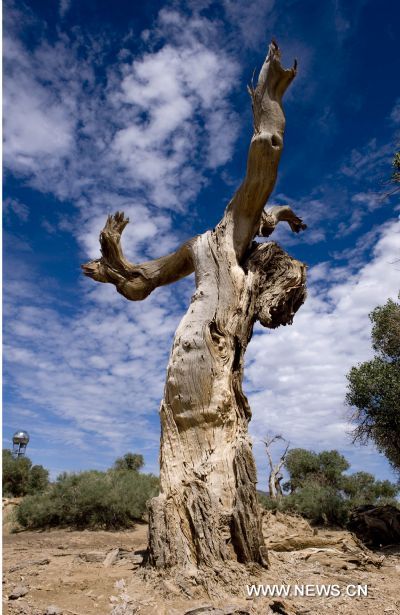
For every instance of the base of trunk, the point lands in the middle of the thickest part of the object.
(189, 528)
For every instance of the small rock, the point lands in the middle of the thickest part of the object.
(170, 587)
(208, 609)
(53, 610)
(18, 592)
(284, 607)
(125, 562)
(134, 558)
(200, 609)
(120, 584)
(92, 556)
(110, 558)
(30, 562)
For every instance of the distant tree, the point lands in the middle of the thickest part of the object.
(325, 468)
(15, 474)
(331, 467)
(374, 386)
(275, 476)
(38, 479)
(130, 461)
(321, 491)
(396, 172)
(20, 477)
(362, 488)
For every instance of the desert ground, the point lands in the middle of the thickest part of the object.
(62, 571)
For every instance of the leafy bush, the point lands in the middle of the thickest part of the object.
(130, 461)
(92, 499)
(362, 488)
(267, 502)
(20, 477)
(319, 503)
(321, 492)
(374, 386)
(325, 468)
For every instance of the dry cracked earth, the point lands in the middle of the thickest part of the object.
(100, 573)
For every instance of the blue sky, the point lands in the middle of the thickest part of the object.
(143, 107)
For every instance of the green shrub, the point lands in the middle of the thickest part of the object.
(267, 502)
(318, 503)
(320, 491)
(20, 477)
(92, 499)
(130, 461)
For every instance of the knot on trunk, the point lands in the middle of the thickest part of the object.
(279, 283)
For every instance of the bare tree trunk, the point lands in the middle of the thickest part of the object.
(274, 479)
(207, 511)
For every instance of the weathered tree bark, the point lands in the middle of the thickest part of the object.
(275, 477)
(207, 511)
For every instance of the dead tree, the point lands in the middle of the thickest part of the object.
(275, 477)
(207, 511)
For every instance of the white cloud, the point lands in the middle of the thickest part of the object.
(16, 207)
(395, 113)
(251, 19)
(100, 372)
(65, 5)
(37, 129)
(367, 162)
(295, 376)
(169, 88)
(148, 133)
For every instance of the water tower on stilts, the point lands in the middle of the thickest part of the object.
(20, 442)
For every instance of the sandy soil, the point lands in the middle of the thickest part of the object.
(63, 571)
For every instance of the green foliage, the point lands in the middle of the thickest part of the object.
(92, 499)
(374, 386)
(362, 488)
(20, 477)
(320, 503)
(38, 479)
(320, 491)
(396, 168)
(267, 502)
(130, 461)
(386, 330)
(324, 468)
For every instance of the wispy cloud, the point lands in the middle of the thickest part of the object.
(99, 372)
(150, 132)
(295, 376)
(64, 6)
(395, 113)
(14, 206)
(368, 161)
(137, 135)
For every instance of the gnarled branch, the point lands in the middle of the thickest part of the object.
(265, 150)
(279, 213)
(279, 282)
(135, 282)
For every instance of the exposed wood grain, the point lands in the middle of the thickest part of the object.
(207, 511)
